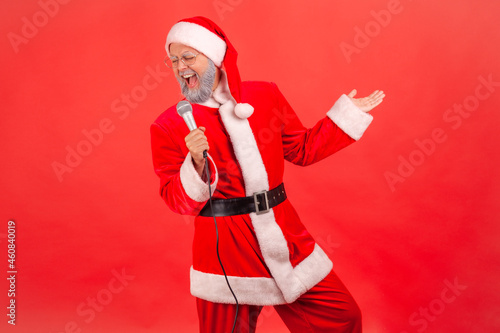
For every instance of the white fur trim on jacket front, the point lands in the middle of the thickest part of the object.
(273, 245)
(349, 117)
(245, 148)
(192, 183)
(199, 38)
(260, 290)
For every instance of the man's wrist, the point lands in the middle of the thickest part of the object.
(199, 167)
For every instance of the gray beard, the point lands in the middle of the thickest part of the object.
(203, 93)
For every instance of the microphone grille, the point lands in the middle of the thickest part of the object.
(183, 107)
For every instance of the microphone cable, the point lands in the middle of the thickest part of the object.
(217, 240)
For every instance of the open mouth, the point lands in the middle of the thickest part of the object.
(191, 79)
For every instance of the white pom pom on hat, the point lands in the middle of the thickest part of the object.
(243, 110)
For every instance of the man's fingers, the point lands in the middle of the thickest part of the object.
(198, 132)
(200, 148)
(196, 142)
(377, 94)
(197, 150)
(380, 95)
(376, 98)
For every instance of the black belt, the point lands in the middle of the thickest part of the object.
(259, 203)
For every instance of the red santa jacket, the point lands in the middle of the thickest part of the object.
(269, 258)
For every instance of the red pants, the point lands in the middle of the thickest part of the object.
(327, 307)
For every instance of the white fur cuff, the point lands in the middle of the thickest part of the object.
(192, 183)
(349, 117)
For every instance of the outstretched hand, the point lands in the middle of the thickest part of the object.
(367, 104)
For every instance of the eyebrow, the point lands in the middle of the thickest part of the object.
(172, 55)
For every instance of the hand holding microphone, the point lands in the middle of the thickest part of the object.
(196, 141)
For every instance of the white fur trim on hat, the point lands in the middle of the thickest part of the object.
(199, 38)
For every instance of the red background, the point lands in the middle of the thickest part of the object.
(394, 244)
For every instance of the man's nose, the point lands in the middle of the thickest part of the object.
(182, 66)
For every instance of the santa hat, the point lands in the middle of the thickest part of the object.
(205, 36)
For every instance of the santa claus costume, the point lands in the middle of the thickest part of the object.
(268, 255)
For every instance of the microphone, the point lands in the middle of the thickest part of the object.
(185, 110)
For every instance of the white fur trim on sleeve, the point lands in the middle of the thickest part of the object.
(349, 117)
(199, 38)
(192, 183)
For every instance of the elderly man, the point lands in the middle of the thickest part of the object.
(248, 130)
